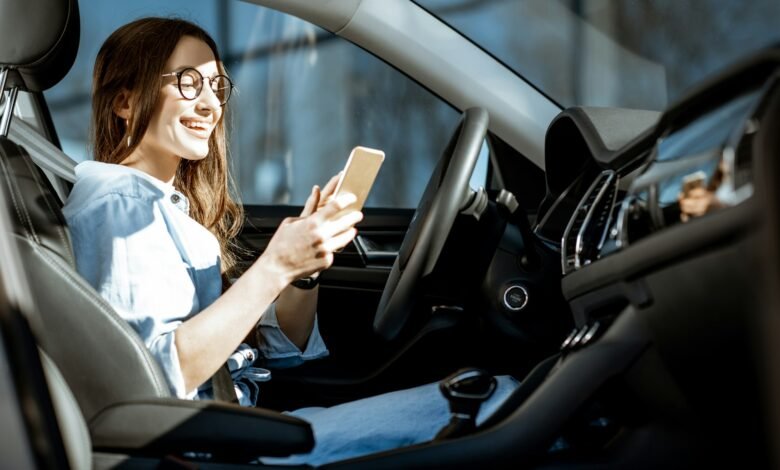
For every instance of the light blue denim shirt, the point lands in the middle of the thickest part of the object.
(137, 246)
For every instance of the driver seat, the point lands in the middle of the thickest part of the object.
(119, 387)
(85, 338)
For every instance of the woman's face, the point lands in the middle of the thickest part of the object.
(179, 126)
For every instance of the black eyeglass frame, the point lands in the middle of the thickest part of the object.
(178, 75)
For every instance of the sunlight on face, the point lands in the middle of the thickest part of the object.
(181, 127)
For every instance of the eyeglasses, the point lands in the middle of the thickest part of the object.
(190, 83)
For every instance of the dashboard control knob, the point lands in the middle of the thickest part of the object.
(515, 298)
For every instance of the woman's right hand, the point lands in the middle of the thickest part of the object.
(304, 245)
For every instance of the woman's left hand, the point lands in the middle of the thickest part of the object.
(319, 198)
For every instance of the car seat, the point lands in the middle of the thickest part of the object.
(120, 390)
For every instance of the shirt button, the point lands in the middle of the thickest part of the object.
(175, 198)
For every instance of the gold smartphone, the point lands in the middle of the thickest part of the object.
(359, 175)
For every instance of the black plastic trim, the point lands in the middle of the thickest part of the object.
(663, 248)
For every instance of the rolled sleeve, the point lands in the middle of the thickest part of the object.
(278, 350)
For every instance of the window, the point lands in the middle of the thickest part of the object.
(304, 98)
(625, 53)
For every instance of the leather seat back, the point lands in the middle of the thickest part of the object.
(102, 359)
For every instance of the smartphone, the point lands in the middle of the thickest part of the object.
(359, 175)
(694, 180)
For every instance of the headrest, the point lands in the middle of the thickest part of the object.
(38, 38)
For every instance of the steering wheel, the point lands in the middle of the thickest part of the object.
(441, 202)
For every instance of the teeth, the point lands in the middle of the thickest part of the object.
(195, 125)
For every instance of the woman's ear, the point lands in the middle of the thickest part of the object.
(123, 106)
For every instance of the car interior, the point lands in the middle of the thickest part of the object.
(641, 336)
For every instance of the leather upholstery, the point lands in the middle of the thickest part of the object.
(168, 425)
(73, 429)
(101, 357)
(38, 38)
(40, 218)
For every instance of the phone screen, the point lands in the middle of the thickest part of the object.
(359, 174)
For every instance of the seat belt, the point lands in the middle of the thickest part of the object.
(222, 385)
(58, 168)
(47, 156)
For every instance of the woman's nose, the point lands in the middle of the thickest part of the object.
(208, 99)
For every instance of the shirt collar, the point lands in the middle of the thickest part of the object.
(175, 197)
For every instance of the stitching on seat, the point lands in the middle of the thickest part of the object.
(63, 238)
(98, 301)
(21, 211)
(112, 316)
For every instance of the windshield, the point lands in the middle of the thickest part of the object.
(623, 53)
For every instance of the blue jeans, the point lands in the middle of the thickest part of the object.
(382, 422)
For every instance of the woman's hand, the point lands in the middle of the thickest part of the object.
(696, 202)
(320, 197)
(329, 190)
(304, 245)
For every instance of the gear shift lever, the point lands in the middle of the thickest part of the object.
(465, 390)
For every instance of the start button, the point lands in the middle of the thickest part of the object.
(515, 298)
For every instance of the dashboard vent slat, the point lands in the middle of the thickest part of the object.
(585, 232)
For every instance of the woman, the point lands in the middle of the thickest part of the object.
(152, 222)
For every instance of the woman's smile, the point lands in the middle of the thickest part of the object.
(198, 128)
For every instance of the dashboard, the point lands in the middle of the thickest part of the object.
(660, 228)
(674, 172)
(634, 196)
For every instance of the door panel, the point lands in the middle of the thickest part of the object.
(364, 263)
(350, 290)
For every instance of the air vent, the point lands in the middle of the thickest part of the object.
(587, 228)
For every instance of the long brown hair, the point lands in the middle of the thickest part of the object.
(132, 59)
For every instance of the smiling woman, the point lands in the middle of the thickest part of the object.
(121, 119)
(152, 222)
(180, 128)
